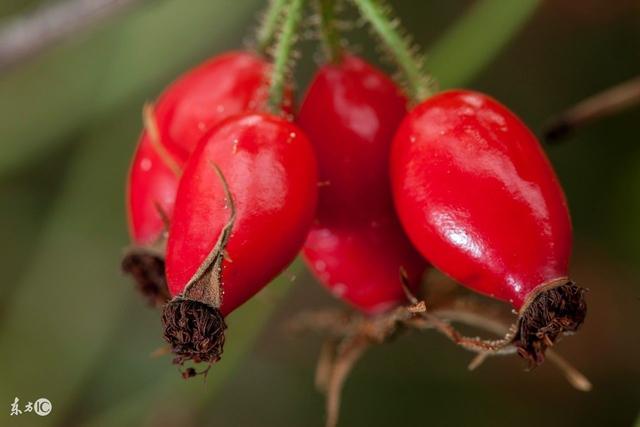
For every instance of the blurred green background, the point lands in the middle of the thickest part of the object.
(72, 330)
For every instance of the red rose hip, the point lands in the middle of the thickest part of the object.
(222, 86)
(357, 247)
(244, 206)
(479, 199)
(361, 263)
(153, 181)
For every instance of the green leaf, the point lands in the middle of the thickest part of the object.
(476, 39)
(48, 98)
(168, 390)
(72, 295)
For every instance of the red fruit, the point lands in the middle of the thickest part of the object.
(479, 199)
(356, 248)
(360, 263)
(216, 261)
(201, 98)
(219, 88)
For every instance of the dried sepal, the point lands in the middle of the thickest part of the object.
(193, 324)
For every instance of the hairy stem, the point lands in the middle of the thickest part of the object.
(399, 46)
(329, 34)
(282, 55)
(267, 31)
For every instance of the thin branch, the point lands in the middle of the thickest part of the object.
(575, 377)
(611, 101)
(349, 352)
(27, 35)
(326, 361)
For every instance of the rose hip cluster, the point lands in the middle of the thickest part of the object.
(222, 195)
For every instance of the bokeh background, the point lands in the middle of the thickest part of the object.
(72, 330)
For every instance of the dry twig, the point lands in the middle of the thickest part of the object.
(27, 35)
(611, 101)
(350, 335)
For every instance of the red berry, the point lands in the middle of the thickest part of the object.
(270, 171)
(356, 247)
(219, 88)
(360, 263)
(199, 99)
(152, 186)
(479, 199)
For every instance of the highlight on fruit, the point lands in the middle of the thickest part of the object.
(376, 182)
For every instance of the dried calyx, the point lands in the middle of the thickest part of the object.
(193, 323)
(195, 331)
(553, 311)
(146, 266)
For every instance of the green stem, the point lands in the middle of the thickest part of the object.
(398, 46)
(282, 55)
(267, 31)
(330, 35)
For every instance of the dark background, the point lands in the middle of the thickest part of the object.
(72, 330)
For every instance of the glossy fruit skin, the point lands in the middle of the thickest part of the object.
(151, 188)
(356, 246)
(222, 86)
(360, 263)
(270, 169)
(478, 197)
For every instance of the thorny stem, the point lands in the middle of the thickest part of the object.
(283, 54)
(267, 31)
(399, 46)
(330, 35)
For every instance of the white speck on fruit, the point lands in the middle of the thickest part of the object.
(202, 126)
(145, 164)
(321, 266)
(220, 109)
(339, 289)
